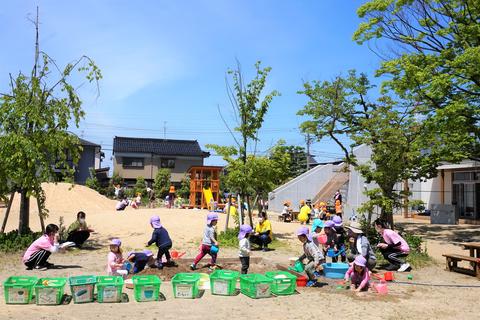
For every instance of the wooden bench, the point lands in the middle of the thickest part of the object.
(452, 264)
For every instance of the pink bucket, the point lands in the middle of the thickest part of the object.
(381, 287)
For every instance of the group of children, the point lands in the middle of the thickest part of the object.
(137, 261)
(328, 238)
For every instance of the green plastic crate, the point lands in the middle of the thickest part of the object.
(284, 283)
(82, 288)
(49, 291)
(109, 289)
(146, 288)
(19, 290)
(255, 285)
(185, 285)
(223, 282)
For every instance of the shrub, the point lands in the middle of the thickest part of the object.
(161, 184)
(229, 238)
(116, 179)
(140, 187)
(92, 181)
(13, 242)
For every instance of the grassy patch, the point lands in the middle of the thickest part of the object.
(419, 259)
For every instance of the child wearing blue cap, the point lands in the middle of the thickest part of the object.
(140, 260)
(312, 254)
(209, 242)
(317, 227)
(244, 247)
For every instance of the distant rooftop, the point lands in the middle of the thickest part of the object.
(168, 147)
(87, 143)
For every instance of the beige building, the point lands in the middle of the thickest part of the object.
(135, 157)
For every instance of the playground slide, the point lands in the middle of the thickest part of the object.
(207, 193)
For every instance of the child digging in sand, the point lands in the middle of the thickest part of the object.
(163, 241)
(312, 254)
(209, 242)
(115, 261)
(358, 274)
(141, 259)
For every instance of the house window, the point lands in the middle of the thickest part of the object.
(463, 176)
(167, 163)
(132, 163)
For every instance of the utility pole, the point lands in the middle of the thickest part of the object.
(308, 151)
(165, 130)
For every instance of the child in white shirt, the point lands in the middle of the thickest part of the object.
(244, 247)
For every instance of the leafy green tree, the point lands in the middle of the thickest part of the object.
(249, 108)
(34, 120)
(403, 144)
(184, 190)
(297, 163)
(431, 56)
(161, 183)
(140, 186)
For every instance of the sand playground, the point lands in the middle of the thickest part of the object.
(407, 298)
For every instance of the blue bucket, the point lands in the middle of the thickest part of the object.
(335, 270)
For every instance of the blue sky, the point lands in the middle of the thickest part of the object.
(164, 62)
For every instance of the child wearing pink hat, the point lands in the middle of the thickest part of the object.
(115, 261)
(358, 274)
(244, 247)
(163, 241)
(312, 254)
(209, 242)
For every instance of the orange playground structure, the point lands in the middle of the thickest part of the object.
(204, 186)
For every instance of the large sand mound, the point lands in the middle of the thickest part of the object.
(62, 200)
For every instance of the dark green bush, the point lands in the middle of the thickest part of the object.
(13, 242)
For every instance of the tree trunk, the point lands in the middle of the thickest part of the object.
(405, 198)
(249, 211)
(7, 212)
(23, 224)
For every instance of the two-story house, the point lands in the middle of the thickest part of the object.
(135, 157)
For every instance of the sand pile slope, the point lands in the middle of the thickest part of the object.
(62, 200)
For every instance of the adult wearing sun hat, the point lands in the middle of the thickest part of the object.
(360, 246)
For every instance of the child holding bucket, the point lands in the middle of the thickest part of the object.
(161, 238)
(340, 231)
(358, 274)
(318, 236)
(209, 242)
(140, 260)
(312, 254)
(332, 239)
(115, 266)
(244, 247)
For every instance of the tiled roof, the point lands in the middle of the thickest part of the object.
(166, 147)
(87, 143)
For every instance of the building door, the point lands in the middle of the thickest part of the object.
(466, 197)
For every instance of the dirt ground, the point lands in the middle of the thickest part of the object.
(407, 299)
